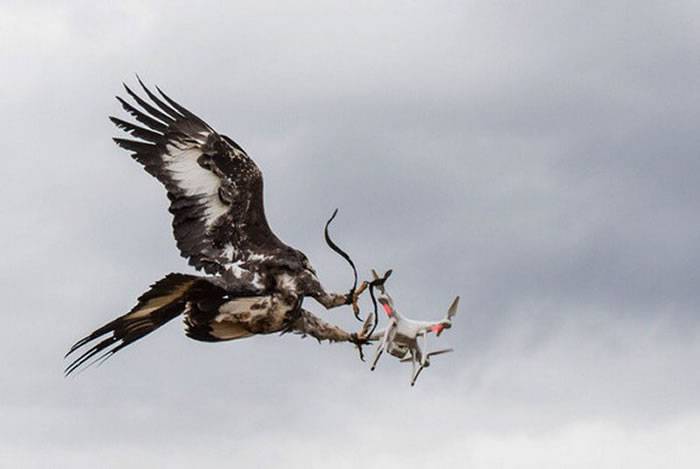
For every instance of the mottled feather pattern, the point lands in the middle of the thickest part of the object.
(310, 325)
(215, 189)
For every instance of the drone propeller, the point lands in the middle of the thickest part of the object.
(447, 322)
(378, 281)
(367, 326)
(426, 363)
(453, 308)
(439, 352)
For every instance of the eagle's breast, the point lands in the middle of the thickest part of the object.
(258, 315)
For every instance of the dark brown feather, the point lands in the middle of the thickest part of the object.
(213, 229)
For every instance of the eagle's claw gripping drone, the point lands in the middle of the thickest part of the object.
(402, 337)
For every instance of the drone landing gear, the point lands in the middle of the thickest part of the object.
(386, 338)
(415, 375)
(424, 363)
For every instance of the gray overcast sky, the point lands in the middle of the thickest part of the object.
(539, 158)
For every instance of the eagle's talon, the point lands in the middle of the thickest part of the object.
(358, 340)
(356, 309)
(359, 343)
(353, 298)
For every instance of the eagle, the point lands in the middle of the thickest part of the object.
(252, 282)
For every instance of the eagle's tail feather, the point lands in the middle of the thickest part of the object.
(165, 300)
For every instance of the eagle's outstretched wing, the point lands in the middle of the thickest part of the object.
(215, 188)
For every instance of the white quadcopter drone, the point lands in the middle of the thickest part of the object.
(401, 336)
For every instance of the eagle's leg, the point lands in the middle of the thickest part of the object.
(333, 300)
(309, 324)
(356, 296)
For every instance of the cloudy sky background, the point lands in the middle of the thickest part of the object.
(540, 160)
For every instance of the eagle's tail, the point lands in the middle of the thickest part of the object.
(165, 300)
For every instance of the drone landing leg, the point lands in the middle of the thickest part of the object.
(413, 363)
(415, 376)
(377, 354)
(380, 347)
(422, 357)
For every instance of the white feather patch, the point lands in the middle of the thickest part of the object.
(286, 282)
(257, 281)
(239, 272)
(194, 180)
(229, 252)
(255, 257)
(236, 269)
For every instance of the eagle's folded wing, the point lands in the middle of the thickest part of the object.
(215, 188)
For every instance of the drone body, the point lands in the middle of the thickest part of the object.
(403, 336)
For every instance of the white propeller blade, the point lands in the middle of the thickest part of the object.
(453, 308)
(367, 326)
(438, 352)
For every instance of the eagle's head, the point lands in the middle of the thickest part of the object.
(301, 259)
(306, 264)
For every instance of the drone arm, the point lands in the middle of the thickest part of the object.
(379, 334)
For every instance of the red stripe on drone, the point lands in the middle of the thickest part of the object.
(387, 308)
